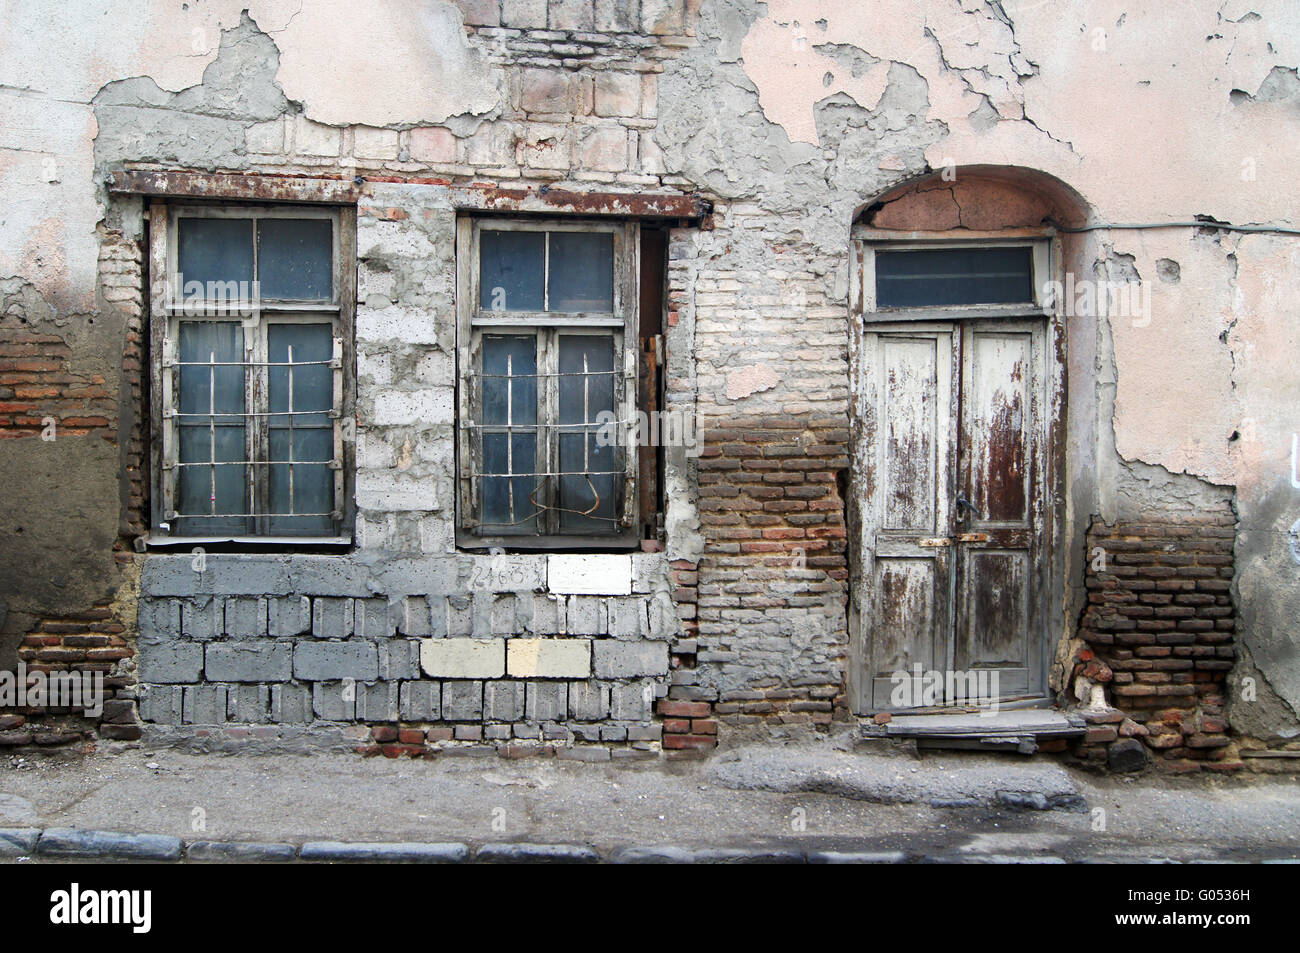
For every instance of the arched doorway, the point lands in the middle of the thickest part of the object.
(958, 383)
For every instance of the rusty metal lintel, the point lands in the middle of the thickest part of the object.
(226, 185)
(656, 205)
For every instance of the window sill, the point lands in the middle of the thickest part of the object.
(166, 542)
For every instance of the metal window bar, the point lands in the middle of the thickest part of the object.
(212, 463)
(546, 429)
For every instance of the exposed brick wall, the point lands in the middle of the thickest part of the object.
(1159, 626)
(37, 384)
(771, 507)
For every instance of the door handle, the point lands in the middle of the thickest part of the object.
(963, 505)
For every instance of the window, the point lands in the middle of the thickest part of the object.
(548, 346)
(251, 332)
(952, 279)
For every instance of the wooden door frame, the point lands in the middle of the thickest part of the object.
(862, 312)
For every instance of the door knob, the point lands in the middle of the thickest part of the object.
(963, 505)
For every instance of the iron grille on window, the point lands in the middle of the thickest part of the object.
(548, 383)
(253, 330)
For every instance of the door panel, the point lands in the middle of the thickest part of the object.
(949, 476)
(999, 594)
(909, 456)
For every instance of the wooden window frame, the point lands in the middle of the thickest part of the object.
(473, 322)
(167, 313)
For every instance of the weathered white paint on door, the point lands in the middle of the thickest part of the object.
(949, 477)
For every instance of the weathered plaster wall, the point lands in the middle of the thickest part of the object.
(793, 114)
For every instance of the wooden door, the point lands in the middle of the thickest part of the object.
(948, 478)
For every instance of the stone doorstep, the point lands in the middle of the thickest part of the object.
(1018, 730)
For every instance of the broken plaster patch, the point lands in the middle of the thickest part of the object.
(751, 380)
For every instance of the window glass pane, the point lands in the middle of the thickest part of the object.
(508, 501)
(305, 435)
(954, 276)
(509, 389)
(509, 380)
(214, 250)
(582, 271)
(591, 474)
(209, 434)
(510, 270)
(295, 257)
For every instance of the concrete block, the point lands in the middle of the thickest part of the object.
(331, 618)
(500, 573)
(463, 658)
(245, 617)
(75, 843)
(248, 704)
(545, 91)
(609, 575)
(618, 659)
(205, 704)
(604, 148)
(425, 406)
(371, 619)
(462, 701)
(649, 571)
(503, 701)
(291, 705)
(627, 618)
(546, 701)
(159, 620)
(202, 618)
(420, 701)
(334, 852)
(381, 490)
(334, 701)
(162, 704)
(586, 615)
(377, 701)
(289, 616)
(632, 702)
(548, 658)
(317, 661)
(173, 663)
(460, 615)
(588, 701)
(399, 658)
(248, 662)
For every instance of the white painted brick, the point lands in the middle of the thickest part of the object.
(396, 324)
(463, 658)
(426, 406)
(548, 658)
(313, 139)
(381, 490)
(590, 575)
(265, 137)
(371, 143)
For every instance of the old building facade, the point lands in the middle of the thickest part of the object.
(609, 377)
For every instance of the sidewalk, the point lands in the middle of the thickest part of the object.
(750, 801)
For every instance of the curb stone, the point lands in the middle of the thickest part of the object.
(536, 854)
(408, 853)
(856, 857)
(238, 851)
(68, 842)
(18, 841)
(652, 855)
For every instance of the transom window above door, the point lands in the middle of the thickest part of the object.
(905, 280)
(547, 346)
